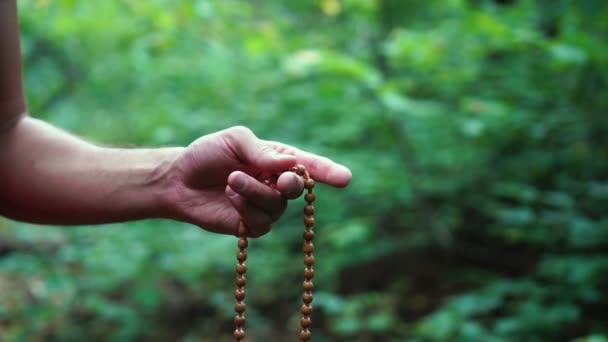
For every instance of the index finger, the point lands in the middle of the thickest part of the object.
(320, 168)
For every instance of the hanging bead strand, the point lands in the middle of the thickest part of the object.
(239, 294)
(308, 248)
(309, 260)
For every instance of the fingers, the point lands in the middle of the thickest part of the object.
(321, 169)
(276, 157)
(261, 195)
(256, 152)
(259, 204)
(256, 220)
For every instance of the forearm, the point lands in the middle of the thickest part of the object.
(51, 177)
(12, 99)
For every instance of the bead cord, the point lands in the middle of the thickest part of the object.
(307, 248)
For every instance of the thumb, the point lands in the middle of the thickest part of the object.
(257, 152)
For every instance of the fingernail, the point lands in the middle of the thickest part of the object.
(239, 183)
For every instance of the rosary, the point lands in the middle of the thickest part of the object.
(308, 248)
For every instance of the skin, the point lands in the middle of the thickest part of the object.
(49, 176)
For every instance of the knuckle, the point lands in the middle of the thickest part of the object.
(318, 163)
(238, 132)
(319, 166)
(237, 138)
(263, 148)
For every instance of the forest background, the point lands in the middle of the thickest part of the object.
(476, 132)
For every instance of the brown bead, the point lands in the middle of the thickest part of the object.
(308, 285)
(239, 334)
(306, 309)
(300, 170)
(305, 335)
(308, 247)
(309, 273)
(241, 268)
(307, 298)
(309, 209)
(243, 243)
(239, 294)
(309, 221)
(241, 280)
(309, 260)
(308, 235)
(305, 322)
(310, 197)
(242, 231)
(239, 307)
(241, 256)
(309, 183)
(239, 320)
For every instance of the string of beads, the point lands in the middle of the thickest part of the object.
(239, 294)
(309, 260)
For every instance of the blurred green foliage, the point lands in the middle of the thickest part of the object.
(476, 131)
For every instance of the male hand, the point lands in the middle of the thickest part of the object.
(217, 181)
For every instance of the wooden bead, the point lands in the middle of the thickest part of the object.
(242, 231)
(309, 260)
(309, 209)
(306, 309)
(310, 197)
(241, 280)
(307, 298)
(239, 294)
(239, 334)
(243, 243)
(239, 307)
(305, 322)
(308, 285)
(308, 235)
(309, 183)
(241, 256)
(300, 170)
(308, 247)
(241, 268)
(305, 335)
(309, 221)
(309, 273)
(239, 320)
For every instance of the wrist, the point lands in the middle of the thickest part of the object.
(162, 183)
(142, 180)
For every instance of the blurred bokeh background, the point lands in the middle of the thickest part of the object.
(476, 130)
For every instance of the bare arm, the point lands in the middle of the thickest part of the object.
(49, 176)
(12, 99)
